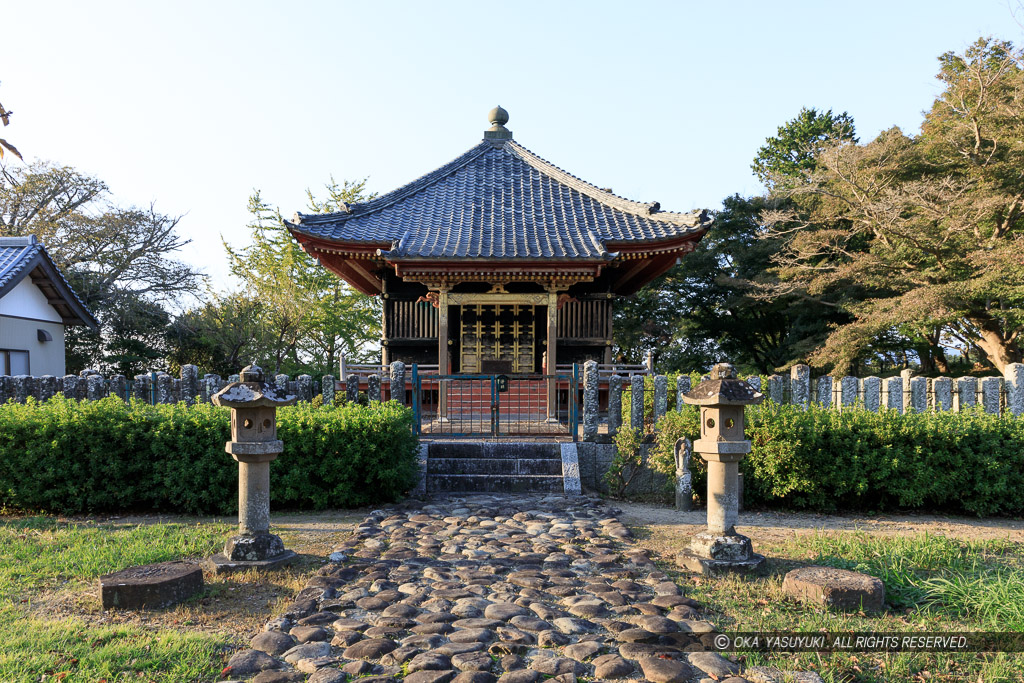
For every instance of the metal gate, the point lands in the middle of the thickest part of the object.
(496, 406)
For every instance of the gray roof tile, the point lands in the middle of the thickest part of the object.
(500, 201)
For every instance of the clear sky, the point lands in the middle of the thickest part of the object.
(192, 105)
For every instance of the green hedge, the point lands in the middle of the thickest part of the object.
(72, 457)
(824, 460)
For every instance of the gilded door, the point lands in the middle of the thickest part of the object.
(497, 338)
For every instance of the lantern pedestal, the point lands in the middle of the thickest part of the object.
(710, 554)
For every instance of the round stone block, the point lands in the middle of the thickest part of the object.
(151, 586)
(836, 588)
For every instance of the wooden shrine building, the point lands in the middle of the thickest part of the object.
(498, 261)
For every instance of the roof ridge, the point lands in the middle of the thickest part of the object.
(644, 209)
(395, 196)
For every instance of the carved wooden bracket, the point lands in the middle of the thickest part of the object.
(432, 298)
(563, 299)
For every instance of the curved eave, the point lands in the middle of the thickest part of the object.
(44, 275)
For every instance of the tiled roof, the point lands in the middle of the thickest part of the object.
(19, 256)
(500, 201)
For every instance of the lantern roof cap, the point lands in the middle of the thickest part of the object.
(723, 388)
(252, 392)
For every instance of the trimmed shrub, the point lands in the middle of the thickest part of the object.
(823, 460)
(71, 457)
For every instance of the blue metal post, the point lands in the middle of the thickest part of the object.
(415, 399)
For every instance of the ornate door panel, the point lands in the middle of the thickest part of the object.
(497, 338)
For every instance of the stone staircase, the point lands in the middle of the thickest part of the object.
(494, 467)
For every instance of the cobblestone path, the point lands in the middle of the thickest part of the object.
(492, 589)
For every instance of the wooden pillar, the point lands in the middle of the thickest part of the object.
(384, 360)
(552, 360)
(443, 367)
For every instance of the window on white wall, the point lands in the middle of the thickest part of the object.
(13, 362)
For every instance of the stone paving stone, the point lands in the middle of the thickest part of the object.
(492, 589)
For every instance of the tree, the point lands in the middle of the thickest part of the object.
(793, 152)
(718, 303)
(929, 226)
(5, 118)
(223, 335)
(309, 315)
(119, 260)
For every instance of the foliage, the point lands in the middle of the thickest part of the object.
(794, 151)
(223, 334)
(307, 316)
(928, 226)
(822, 459)
(72, 457)
(119, 260)
(627, 461)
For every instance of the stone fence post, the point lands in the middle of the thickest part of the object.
(164, 388)
(210, 386)
(304, 388)
(327, 389)
(992, 394)
(848, 387)
(119, 387)
(800, 385)
(776, 389)
(871, 386)
(95, 389)
(352, 388)
(1014, 378)
(636, 405)
(892, 396)
(918, 394)
(398, 382)
(682, 387)
(47, 387)
(965, 393)
(373, 388)
(660, 397)
(189, 383)
(825, 391)
(942, 389)
(614, 404)
(140, 388)
(590, 402)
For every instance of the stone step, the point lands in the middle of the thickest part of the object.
(496, 466)
(489, 483)
(495, 450)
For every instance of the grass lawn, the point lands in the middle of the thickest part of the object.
(933, 584)
(43, 557)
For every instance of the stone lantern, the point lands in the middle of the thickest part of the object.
(254, 444)
(721, 444)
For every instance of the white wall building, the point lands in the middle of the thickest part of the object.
(36, 304)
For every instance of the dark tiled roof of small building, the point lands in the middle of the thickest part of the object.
(500, 201)
(19, 256)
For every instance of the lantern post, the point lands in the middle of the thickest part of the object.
(721, 399)
(254, 444)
